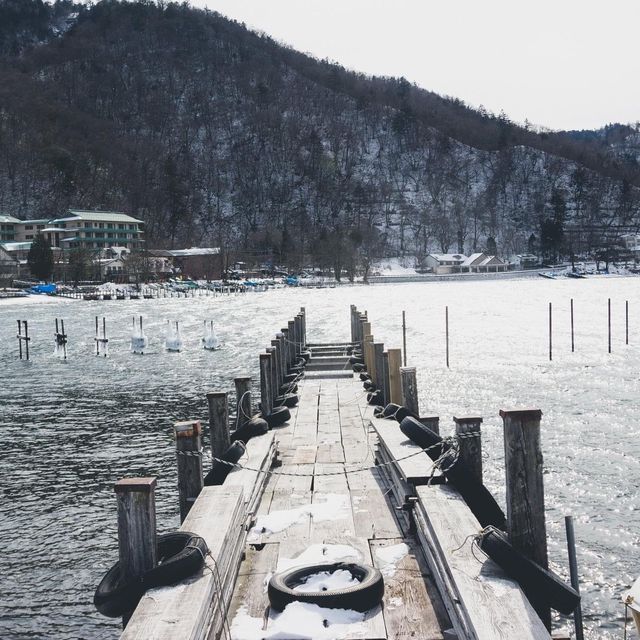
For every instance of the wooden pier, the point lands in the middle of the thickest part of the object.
(334, 452)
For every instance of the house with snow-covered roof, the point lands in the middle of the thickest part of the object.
(483, 263)
(444, 262)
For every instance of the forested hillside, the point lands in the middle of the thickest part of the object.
(215, 135)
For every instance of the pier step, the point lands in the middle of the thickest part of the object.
(327, 363)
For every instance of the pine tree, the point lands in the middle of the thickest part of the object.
(40, 258)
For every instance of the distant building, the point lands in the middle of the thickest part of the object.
(200, 263)
(87, 229)
(444, 262)
(8, 228)
(9, 264)
(525, 261)
(483, 263)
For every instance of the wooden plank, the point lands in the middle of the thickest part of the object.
(184, 610)
(415, 470)
(412, 606)
(494, 605)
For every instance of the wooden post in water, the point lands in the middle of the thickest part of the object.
(291, 336)
(218, 422)
(626, 322)
(550, 332)
(470, 443)
(243, 394)
(404, 339)
(572, 341)
(446, 324)
(395, 388)
(303, 313)
(386, 383)
(525, 491)
(368, 354)
(266, 400)
(137, 547)
(298, 343)
(609, 322)
(352, 317)
(282, 353)
(189, 455)
(275, 345)
(409, 386)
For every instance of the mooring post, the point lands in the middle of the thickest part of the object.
(19, 335)
(352, 314)
(303, 311)
(284, 344)
(266, 401)
(609, 322)
(525, 491)
(626, 322)
(409, 387)
(282, 352)
(298, 342)
(243, 394)
(368, 356)
(378, 377)
(291, 336)
(404, 339)
(386, 383)
(572, 342)
(470, 443)
(395, 362)
(275, 345)
(573, 573)
(189, 455)
(446, 323)
(137, 547)
(218, 422)
(275, 387)
(550, 332)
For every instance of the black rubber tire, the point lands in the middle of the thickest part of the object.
(363, 597)
(358, 368)
(277, 417)
(289, 387)
(375, 398)
(475, 494)
(365, 376)
(540, 585)
(291, 377)
(287, 400)
(305, 354)
(402, 413)
(356, 360)
(369, 385)
(377, 412)
(252, 429)
(113, 598)
(219, 470)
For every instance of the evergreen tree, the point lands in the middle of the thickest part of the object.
(40, 258)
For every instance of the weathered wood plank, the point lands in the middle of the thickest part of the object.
(495, 606)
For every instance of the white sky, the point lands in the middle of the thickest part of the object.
(564, 64)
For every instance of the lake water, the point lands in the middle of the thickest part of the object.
(69, 430)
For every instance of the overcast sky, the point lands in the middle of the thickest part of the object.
(564, 64)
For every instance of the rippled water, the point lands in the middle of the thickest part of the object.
(70, 429)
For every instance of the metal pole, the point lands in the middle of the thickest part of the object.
(97, 336)
(609, 321)
(404, 339)
(573, 570)
(626, 322)
(446, 322)
(550, 332)
(572, 342)
(20, 337)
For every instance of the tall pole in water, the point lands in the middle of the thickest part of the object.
(609, 321)
(550, 332)
(573, 571)
(572, 342)
(404, 339)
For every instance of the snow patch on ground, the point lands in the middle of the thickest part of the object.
(328, 581)
(299, 621)
(388, 557)
(394, 267)
(318, 553)
(335, 508)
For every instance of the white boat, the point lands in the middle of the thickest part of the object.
(632, 600)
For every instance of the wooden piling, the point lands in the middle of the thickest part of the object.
(525, 490)
(550, 332)
(189, 455)
(378, 365)
(395, 388)
(409, 387)
(243, 404)
(303, 313)
(273, 376)
(609, 321)
(277, 374)
(626, 322)
(218, 422)
(572, 341)
(137, 547)
(386, 384)
(470, 443)
(446, 324)
(266, 399)
(369, 356)
(282, 352)
(291, 336)
(404, 339)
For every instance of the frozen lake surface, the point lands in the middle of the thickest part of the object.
(69, 430)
